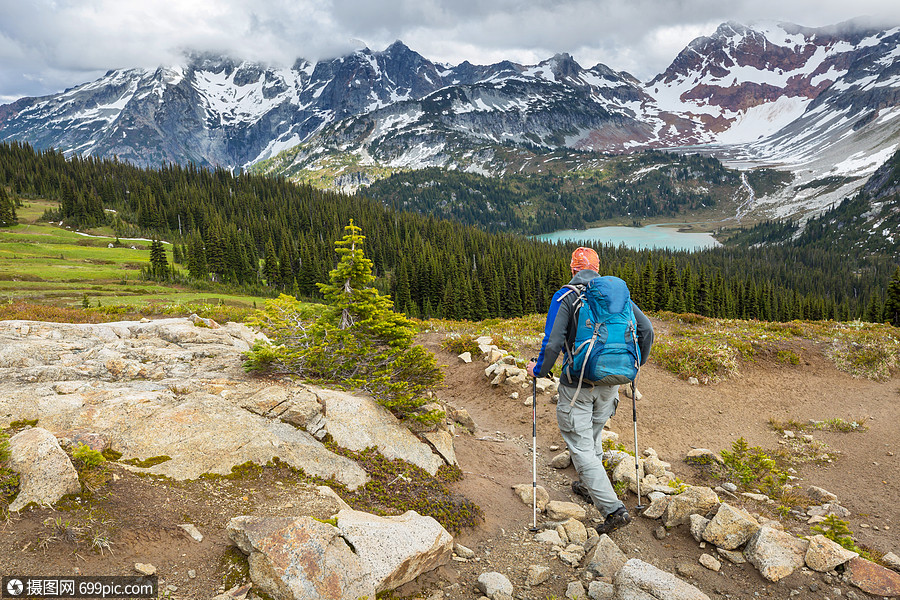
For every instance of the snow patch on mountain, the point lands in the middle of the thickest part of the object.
(863, 163)
(759, 121)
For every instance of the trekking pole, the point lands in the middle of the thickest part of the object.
(534, 526)
(637, 472)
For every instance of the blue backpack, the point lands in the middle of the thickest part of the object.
(606, 346)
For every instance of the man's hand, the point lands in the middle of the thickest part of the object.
(530, 367)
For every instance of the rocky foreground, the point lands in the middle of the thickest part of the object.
(173, 391)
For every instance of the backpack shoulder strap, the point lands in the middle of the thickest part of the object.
(578, 289)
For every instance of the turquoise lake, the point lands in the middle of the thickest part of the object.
(639, 238)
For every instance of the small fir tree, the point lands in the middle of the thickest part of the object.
(358, 342)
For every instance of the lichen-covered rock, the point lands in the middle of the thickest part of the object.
(537, 574)
(45, 472)
(775, 554)
(730, 528)
(550, 537)
(560, 511)
(694, 500)
(642, 581)
(874, 579)
(442, 441)
(162, 388)
(657, 507)
(575, 591)
(823, 554)
(300, 558)
(601, 590)
(607, 558)
(576, 532)
(820, 495)
(358, 422)
(625, 471)
(525, 492)
(698, 526)
(493, 583)
(561, 461)
(396, 549)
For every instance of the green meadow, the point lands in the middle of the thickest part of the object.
(43, 263)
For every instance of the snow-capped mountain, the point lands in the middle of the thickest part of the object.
(214, 110)
(817, 101)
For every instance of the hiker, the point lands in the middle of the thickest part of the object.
(581, 423)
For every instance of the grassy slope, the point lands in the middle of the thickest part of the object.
(46, 264)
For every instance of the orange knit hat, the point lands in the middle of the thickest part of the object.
(585, 258)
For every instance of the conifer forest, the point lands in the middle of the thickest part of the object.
(269, 236)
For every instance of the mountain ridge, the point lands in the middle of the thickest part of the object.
(752, 92)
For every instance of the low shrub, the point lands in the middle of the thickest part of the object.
(460, 344)
(396, 486)
(752, 467)
(695, 357)
(788, 357)
(91, 467)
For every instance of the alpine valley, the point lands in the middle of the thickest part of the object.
(820, 105)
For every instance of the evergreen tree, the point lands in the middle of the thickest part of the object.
(159, 266)
(270, 265)
(402, 298)
(215, 253)
(7, 209)
(355, 302)
(873, 310)
(892, 302)
(196, 258)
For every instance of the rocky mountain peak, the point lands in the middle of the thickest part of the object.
(563, 65)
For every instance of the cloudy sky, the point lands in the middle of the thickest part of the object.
(48, 45)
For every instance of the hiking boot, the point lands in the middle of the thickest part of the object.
(614, 520)
(581, 490)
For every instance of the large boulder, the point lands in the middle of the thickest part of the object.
(560, 511)
(606, 558)
(298, 406)
(526, 492)
(874, 579)
(775, 553)
(300, 559)
(694, 500)
(657, 506)
(823, 554)
(203, 433)
(358, 422)
(638, 580)
(45, 472)
(396, 549)
(493, 584)
(442, 441)
(730, 527)
(625, 471)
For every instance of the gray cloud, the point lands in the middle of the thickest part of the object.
(48, 45)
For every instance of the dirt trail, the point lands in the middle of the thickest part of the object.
(673, 418)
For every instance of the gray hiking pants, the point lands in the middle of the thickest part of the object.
(581, 426)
